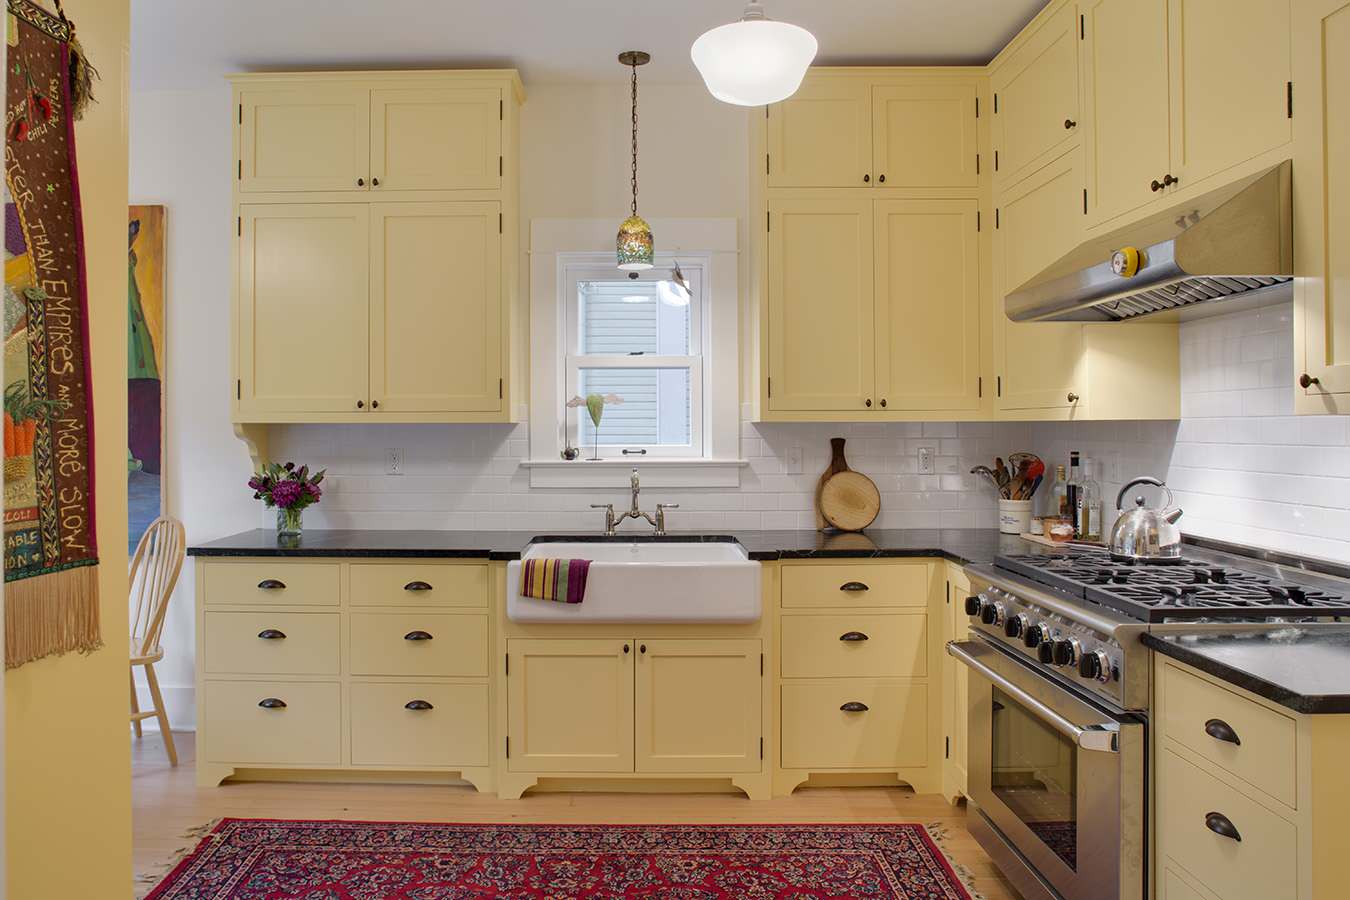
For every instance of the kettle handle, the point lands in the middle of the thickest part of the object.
(1144, 479)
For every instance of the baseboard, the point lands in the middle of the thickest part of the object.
(180, 701)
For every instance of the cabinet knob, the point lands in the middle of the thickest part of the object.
(868, 403)
(272, 703)
(1306, 381)
(360, 182)
(417, 636)
(625, 648)
(360, 404)
(881, 178)
(1222, 825)
(866, 179)
(1073, 398)
(642, 648)
(1169, 179)
(375, 182)
(853, 706)
(271, 634)
(883, 402)
(374, 404)
(416, 705)
(1070, 124)
(1155, 185)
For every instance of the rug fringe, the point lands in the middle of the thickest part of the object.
(145, 882)
(940, 833)
(53, 613)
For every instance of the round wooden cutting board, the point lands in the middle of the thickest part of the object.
(850, 501)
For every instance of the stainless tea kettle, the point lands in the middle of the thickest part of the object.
(1145, 534)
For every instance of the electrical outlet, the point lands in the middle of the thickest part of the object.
(926, 455)
(393, 461)
(792, 461)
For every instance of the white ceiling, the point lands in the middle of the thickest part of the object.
(192, 43)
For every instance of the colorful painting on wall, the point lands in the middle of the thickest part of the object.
(145, 371)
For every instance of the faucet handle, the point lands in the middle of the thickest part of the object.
(661, 516)
(602, 506)
(610, 524)
(665, 506)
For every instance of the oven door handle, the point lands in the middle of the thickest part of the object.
(1103, 737)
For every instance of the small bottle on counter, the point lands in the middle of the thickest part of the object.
(1058, 504)
(1090, 503)
(1072, 491)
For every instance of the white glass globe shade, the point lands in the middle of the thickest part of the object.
(754, 62)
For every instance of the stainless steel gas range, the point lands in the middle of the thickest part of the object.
(1059, 701)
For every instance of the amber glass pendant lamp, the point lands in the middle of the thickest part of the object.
(634, 243)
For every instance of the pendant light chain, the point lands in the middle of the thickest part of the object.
(635, 129)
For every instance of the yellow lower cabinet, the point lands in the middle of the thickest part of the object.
(271, 643)
(854, 724)
(432, 725)
(570, 705)
(826, 584)
(419, 644)
(388, 584)
(273, 723)
(258, 583)
(697, 706)
(854, 645)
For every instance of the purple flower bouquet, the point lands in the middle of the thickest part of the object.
(289, 489)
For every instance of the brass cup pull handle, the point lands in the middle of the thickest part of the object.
(852, 637)
(271, 584)
(1306, 381)
(271, 634)
(417, 636)
(1222, 731)
(1070, 124)
(417, 586)
(853, 586)
(417, 705)
(853, 706)
(272, 703)
(1222, 826)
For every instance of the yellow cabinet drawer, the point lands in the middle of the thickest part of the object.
(1265, 758)
(419, 724)
(819, 734)
(271, 643)
(826, 585)
(375, 584)
(1263, 863)
(853, 645)
(281, 583)
(306, 730)
(435, 644)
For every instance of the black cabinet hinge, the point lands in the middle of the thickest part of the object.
(499, 223)
(1289, 99)
(499, 389)
(995, 104)
(997, 219)
(949, 592)
(1085, 201)
(977, 163)
(995, 160)
(501, 167)
(508, 746)
(239, 171)
(947, 753)
(770, 386)
(768, 221)
(239, 389)
(239, 226)
(508, 664)
(761, 665)
(241, 114)
(1082, 28)
(766, 164)
(1000, 385)
(761, 748)
(501, 110)
(979, 392)
(977, 107)
(978, 225)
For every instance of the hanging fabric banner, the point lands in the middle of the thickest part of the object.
(51, 575)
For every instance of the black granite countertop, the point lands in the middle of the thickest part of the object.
(961, 545)
(1306, 669)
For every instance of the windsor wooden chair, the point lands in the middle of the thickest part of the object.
(154, 572)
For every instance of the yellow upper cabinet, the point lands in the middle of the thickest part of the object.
(924, 135)
(927, 316)
(426, 139)
(822, 136)
(1322, 207)
(821, 324)
(1035, 116)
(303, 138)
(1178, 91)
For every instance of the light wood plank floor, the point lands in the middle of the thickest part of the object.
(167, 803)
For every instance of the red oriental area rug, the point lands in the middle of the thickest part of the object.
(269, 859)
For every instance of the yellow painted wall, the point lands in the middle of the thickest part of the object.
(67, 763)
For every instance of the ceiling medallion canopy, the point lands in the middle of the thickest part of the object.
(634, 243)
(755, 61)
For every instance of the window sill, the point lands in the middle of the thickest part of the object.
(614, 473)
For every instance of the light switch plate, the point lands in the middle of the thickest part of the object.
(926, 455)
(393, 461)
(792, 461)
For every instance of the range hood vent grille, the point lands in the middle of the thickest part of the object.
(1185, 292)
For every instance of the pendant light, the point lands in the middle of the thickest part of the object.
(755, 61)
(634, 243)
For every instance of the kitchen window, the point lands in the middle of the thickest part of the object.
(641, 339)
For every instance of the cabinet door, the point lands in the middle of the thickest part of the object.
(1038, 221)
(927, 304)
(955, 689)
(433, 139)
(1036, 98)
(435, 307)
(698, 706)
(820, 304)
(303, 286)
(1126, 110)
(822, 136)
(570, 705)
(1322, 200)
(924, 135)
(313, 138)
(1230, 63)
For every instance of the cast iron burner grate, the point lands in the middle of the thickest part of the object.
(1189, 589)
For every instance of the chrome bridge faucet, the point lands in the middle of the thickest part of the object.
(658, 522)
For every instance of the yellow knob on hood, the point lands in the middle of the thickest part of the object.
(1125, 262)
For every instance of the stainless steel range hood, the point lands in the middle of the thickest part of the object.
(1234, 241)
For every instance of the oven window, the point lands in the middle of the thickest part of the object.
(1035, 773)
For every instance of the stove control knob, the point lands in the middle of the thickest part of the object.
(1016, 625)
(992, 613)
(973, 605)
(1066, 652)
(1033, 635)
(1046, 652)
(1095, 664)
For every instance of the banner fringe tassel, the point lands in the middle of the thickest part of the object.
(51, 614)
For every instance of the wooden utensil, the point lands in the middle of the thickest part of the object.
(850, 501)
(837, 464)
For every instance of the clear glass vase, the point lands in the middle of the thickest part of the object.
(289, 525)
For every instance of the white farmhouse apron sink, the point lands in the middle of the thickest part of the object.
(654, 583)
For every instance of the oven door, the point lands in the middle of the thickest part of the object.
(1060, 778)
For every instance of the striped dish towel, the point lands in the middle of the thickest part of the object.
(559, 580)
